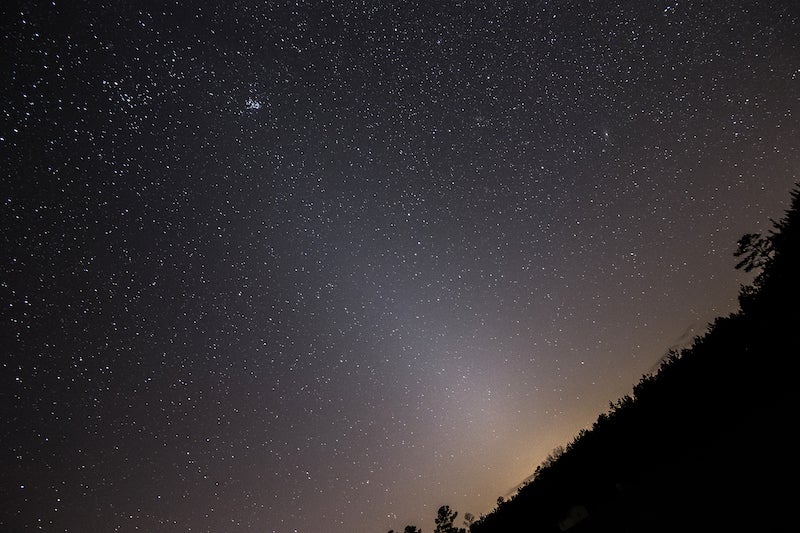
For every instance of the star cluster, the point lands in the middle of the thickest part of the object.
(325, 266)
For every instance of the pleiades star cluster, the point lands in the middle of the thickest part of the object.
(324, 266)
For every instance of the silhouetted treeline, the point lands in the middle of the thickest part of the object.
(445, 522)
(703, 444)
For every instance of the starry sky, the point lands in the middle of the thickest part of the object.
(324, 266)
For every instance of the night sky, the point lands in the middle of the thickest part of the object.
(326, 266)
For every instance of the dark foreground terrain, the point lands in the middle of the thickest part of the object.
(706, 443)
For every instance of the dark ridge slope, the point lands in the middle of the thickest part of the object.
(704, 444)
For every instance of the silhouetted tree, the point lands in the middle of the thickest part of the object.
(777, 258)
(754, 249)
(552, 457)
(408, 529)
(445, 519)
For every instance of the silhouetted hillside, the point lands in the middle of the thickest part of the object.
(704, 444)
